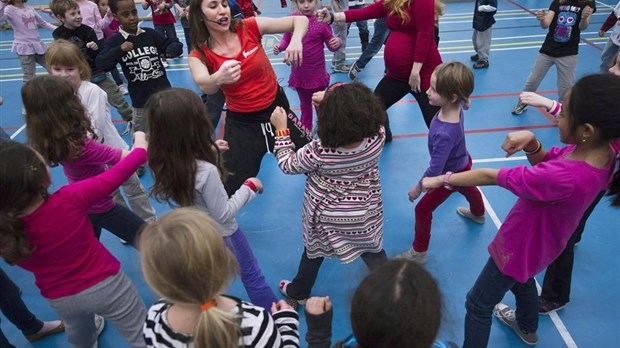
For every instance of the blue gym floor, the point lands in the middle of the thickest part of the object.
(458, 248)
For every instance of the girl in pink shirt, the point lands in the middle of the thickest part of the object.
(27, 43)
(553, 195)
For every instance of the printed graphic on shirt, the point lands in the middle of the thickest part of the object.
(249, 53)
(565, 22)
(28, 19)
(143, 64)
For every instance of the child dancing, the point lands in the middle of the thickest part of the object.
(553, 195)
(343, 209)
(451, 85)
(311, 76)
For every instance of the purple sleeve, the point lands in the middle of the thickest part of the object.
(442, 145)
(97, 153)
(544, 182)
(374, 10)
(42, 22)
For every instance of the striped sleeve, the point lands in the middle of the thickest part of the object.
(260, 330)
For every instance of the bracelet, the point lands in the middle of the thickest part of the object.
(446, 181)
(250, 184)
(555, 108)
(283, 132)
(332, 17)
(538, 148)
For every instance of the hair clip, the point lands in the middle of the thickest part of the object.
(33, 168)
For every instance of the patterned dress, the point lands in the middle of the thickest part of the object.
(343, 208)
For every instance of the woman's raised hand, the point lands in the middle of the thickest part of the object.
(323, 15)
(229, 72)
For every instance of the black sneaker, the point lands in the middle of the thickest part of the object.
(519, 108)
(481, 64)
(354, 71)
(507, 316)
(546, 307)
(341, 68)
(474, 58)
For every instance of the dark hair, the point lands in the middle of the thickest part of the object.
(594, 100)
(397, 305)
(198, 29)
(454, 79)
(60, 7)
(114, 5)
(348, 114)
(56, 120)
(23, 177)
(179, 134)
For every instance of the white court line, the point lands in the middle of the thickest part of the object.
(18, 131)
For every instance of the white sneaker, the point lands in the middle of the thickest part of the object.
(465, 212)
(99, 323)
(123, 89)
(419, 257)
(164, 62)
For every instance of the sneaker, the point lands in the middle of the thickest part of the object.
(49, 328)
(140, 171)
(123, 89)
(519, 108)
(419, 257)
(128, 128)
(546, 307)
(342, 68)
(123, 241)
(481, 64)
(291, 301)
(474, 58)
(99, 324)
(507, 316)
(164, 63)
(465, 212)
(354, 71)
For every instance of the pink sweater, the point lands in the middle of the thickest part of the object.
(68, 258)
(25, 22)
(553, 195)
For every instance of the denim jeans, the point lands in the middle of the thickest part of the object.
(119, 220)
(3, 136)
(489, 290)
(609, 52)
(15, 310)
(376, 42)
(251, 276)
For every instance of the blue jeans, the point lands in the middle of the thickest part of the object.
(376, 42)
(3, 136)
(607, 56)
(119, 220)
(15, 310)
(489, 290)
(251, 276)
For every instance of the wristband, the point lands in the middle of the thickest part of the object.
(331, 17)
(283, 132)
(555, 108)
(537, 150)
(250, 184)
(446, 181)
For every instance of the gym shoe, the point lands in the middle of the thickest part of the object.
(419, 257)
(519, 108)
(99, 324)
(546, 307)
(128, 128)
(474, 58)
(342, 68)
(140, 171)
(291, 301)
(49, 328)
(354, 71)
(481, 64)
(507, 316)
(465, 212)
(123, 89)
(164, 62)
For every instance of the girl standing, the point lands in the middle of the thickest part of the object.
(59, 129)
(312, 76)
(188, 170)
(185, 261)
(451, 85)
(343, 209)
(27, 43)
(553, 195)
(51, 236)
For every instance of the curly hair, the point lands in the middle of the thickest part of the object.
(348, 114)
(179, 135)
(56, 120)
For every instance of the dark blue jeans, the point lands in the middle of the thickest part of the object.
(489, 290)
(3, 136)
(378, 39)
(15, 310)
(251, 276)
(119, 220)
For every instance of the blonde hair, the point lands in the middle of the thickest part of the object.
(454, 79)
(184, 260)
(439, 8)
(399, 8)
(65, 53)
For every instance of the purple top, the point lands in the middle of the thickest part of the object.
(92, 162)
(446, 145)
(25, 22)
(553, 195)
(312, 73)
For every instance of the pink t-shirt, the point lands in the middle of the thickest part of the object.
(92, 162)
(92, 17)
(553, 195)
(68, 258)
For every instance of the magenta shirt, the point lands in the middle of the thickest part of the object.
(553, 195)
(92, 162)
(68, 258)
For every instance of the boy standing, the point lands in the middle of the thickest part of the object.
(613, 44)
(85, 38)
(138, 50)
(484, 12)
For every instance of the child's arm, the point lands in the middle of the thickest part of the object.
(524, 141)
(609, 22)
(286, 39)
(146, 4)
(332, 43)
(545, 18)
(287, 323)
(112, 52)
(535, 100)
(442, 146)
(319, 315)
(170, 47)
(474, 177)
(43, 23)
(3, 15)
(586, 15)
(291, 162)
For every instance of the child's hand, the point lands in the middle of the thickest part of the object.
(139, 140)
(517, 141)
(414, 193)
(432, 183)
(317, 98)
(259, 184)
(276, 49)
(540, 15)
(161, 6)
(334, 43)
(587, 12)
(318, 305)
(535, 100)
(229, 72)
(278, 118)
(601, 33)
(322, 15)
(127, 46)
(222, 145)
(281, 305)
(92, 45)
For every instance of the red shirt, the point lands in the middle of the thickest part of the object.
(257, 87)
(161, 17)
